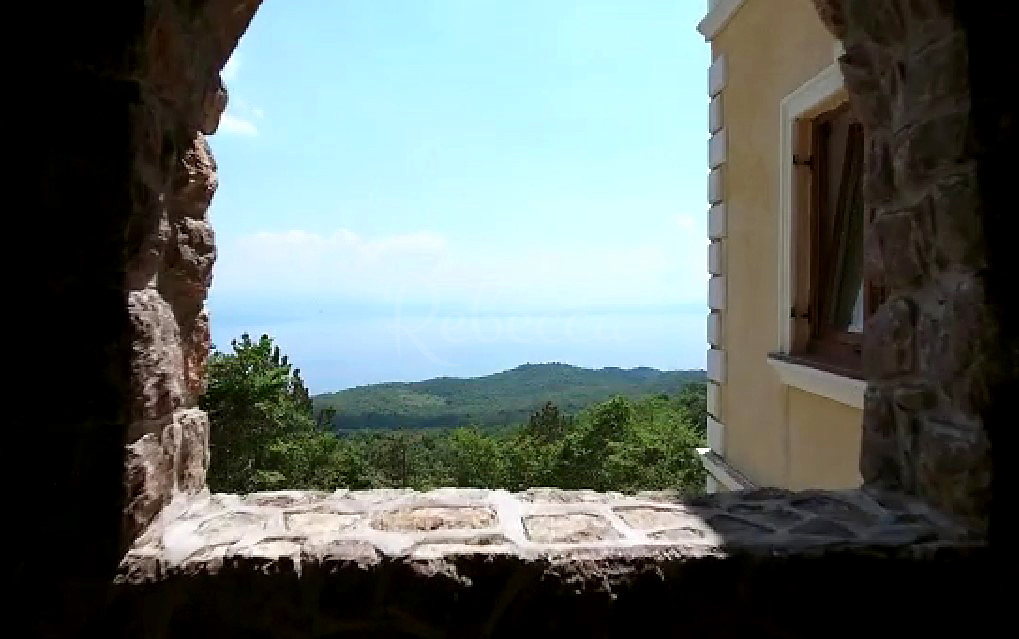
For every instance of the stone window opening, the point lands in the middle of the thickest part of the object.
(784, 557)
(216, 532)
(406, 448)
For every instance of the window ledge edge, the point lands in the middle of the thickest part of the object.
(717, 17)
(844, 390)
(720, 469)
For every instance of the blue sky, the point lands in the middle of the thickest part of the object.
(414, 188)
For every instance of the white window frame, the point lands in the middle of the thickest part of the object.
(821, 93)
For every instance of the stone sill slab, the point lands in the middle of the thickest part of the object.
(723, 473)
(295, 528)
(839, 388)
(548, 562)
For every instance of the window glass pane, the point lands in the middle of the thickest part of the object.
(856, 322)
(850, 283)
(842, 226)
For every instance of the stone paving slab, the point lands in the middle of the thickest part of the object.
(202, 532)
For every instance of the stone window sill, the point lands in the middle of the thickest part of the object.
(723, 473)
(212, 532)
(800, 374)
(469, 562)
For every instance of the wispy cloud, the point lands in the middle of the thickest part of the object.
(231, 123)
(231, 68)
(239, 118)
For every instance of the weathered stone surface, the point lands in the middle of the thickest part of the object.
(880, 465)
(286, 498)
(449, 522)
(187, 269)
(920, 74)
(678, 534)
(144, 267)
(830, 12)
(195, 347)
(737, 527)
(827, 505)
(644, 518)
(903, 248)
(764, 513)
(192, 461)
(195, 181)
(314, 524)
(938, 80)
(927, 149)
(588, 564)
(949, 451)
(765, 494)
(568, 528)
(562, 496)
(118, 95)
(892, 351)
(878, 182)
(226, 528)
(956, 225)
(356, 594)
(823, 527)
(158, 361)
(434, 518)
(149, 481)
(214, 106)
(179, 52)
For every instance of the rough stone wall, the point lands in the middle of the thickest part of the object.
(168, 279)
(940, 353)
(171, 248)
(110, 137)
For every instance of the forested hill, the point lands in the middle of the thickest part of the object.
(494, 400)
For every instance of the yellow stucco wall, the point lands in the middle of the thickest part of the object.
(775, 435)
(824, 442)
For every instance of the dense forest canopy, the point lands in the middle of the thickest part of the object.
(492, 401)
(267, 435)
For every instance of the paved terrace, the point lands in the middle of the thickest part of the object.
(465, 562)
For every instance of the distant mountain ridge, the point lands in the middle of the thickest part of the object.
(499, 399)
